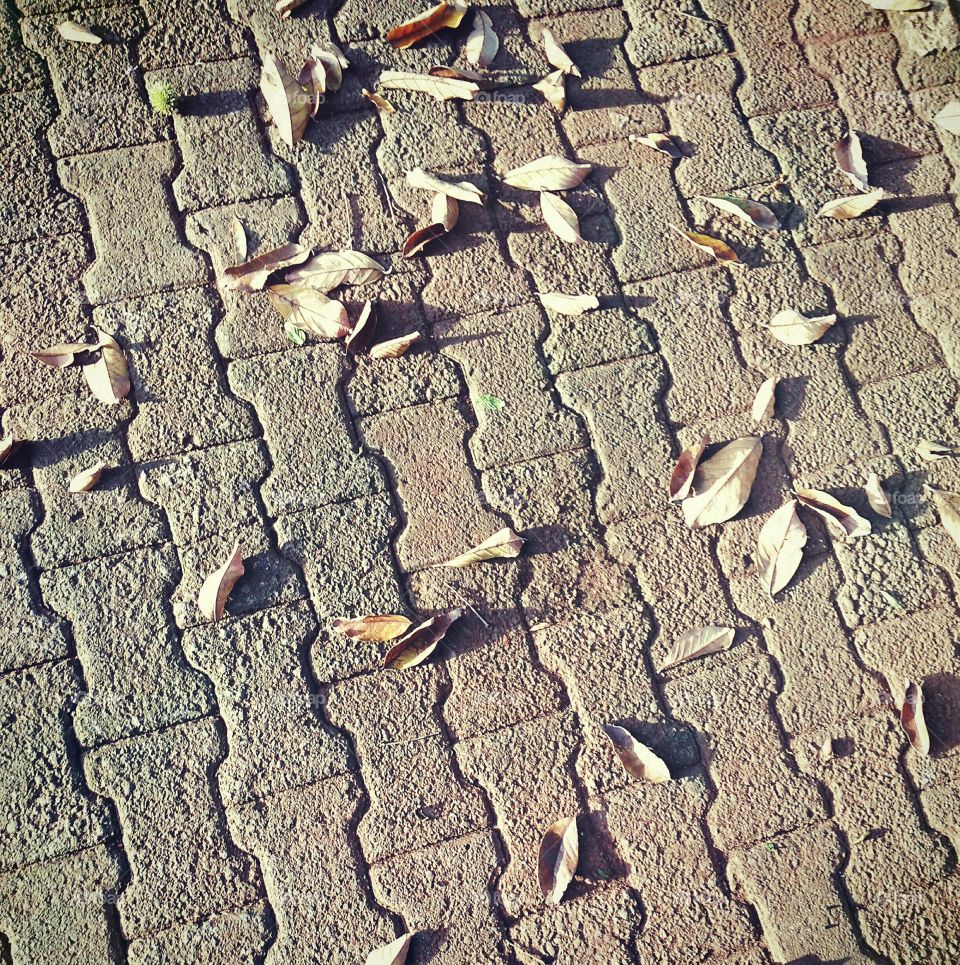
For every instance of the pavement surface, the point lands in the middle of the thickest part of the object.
(262, 789)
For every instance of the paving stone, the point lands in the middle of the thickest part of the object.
(21, 512)
(665, 31)
(291, 392)
(135, 676)
(187, 31)
(121, 210)
(928, 103)
(937, 803)
(89, 118)
(19, 69)
(28, 635)
(824, 21)
(404, 736)
(928, 47)
(56, 912)
(48, 810)
(214, 110)
(792, 887)
(182, 867)
(289, 37)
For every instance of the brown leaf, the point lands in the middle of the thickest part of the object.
(681, 479)
(780, 547)
(77, 34)
(852, 207)
(698, 643)
(948, 508)
(659, 142)
(440, 88)
(556, 55)
(457, 73)
(310, 310)
(62, 355)
(108, 377)
(762, 408)
(84, 481)
(8, 446)
(504, 544)
(849, 155)
(482, 43)
(723, 483)
(417, 28)
(419, 239)
(911, 718)
(445, 210)
(329, 269)
(554, 89)
(932, 450)
(373, 629)
(637, 759)
(842, 521)
(558, 858)
(561, 219)
(461, 190)
(792, 328)
(290, 102)
(330, 63)
(361, 337)
(252, 275)
(380, 103)
(720, 250)
(417, 645)
(759, 215)
(568, 304)
(217, 587)
(395, 347)
(548, 173)
(877, 497)
(285, 7)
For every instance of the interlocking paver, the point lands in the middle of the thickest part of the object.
(187, 32)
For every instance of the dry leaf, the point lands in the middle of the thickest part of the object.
(933, 449)
(329, 269)
(682, 477)
(504, 544)
(762, 408)
(720, 250)
(461, 190)
(289, 102)
(394, 953)
(548, 173)
(851, 207)
(903, 5)
(445, 210)
(395, 347)
(416, 646)
(239, 239)
(62, 355)
(557, 860)
(554, 89)
(698, 643)
(285, 7)
(759, 215)
(419, 239)
(482, 43)
(108, 377)
(84, 481)
(792, 328)
(252, 275)
(77, 34)
(556, 55)
(8, 446)
(849, 155)
(911, 718)
(637, 759)
(330, 65)
(723, 483)
(411, 31)
(949, 117)
(842, 521)
(456, 73)
(362, 334)
(561, 219)
(659, 142)
(876, 497)
(373, 629)
(380, 103)
(948, 508)
(310, 310)
(441, 88)
(780, 547)
(568, 304)
(217, 587)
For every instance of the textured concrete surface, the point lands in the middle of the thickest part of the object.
(262, 791)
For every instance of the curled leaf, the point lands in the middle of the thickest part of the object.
(440, 88)
(698, 643)
(554, 89)
(780, 547)
(84, 481)
(558, 859)
(852, 207)
(948, 508)
(310, 310)
(931, 450)
(76, 33)
(290, 102)
(393, 953)
(877, 498)
(286, 7)
(419, 239)
(556, 55)
(949, 117)
(416, 645)
(361, 337)
(445, 210)
(681, 480)
(568, 304)
(842, 521)
(330, 269)
(720, 250)
(759, 215)
(461, 190)
(723, 483)
(217, 587)
(504, 544)
(849, 155)
(62, 355)
(444, 14)
(548, 173)
(561, 219)
(252, 275)
(792, 328)
(456, 73)
(659, 142)
(108, 377)
(912, 720)
(380, 103)
(762, 408)
(373, 629)
(637, 759)
(395, 347)
(482, 43)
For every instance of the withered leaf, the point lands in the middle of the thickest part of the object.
(239, 234)
(76, 33)
(380, 103)
(310, 310)
(720, 250)
(8, 446)
(84, 481)
(792, 328)
(568, 304)
(108, 377)
(361, 337)
(759, 215)
(329, 59)
(948, 508)
(556, 55)
(444, 14)
(393, 953)
(217, 587)
(419, 239)
(637, 759)
(903, 5)
(456, 73)
(877, 498)
(329, 269)
(252, 275)
(416, 645)
(852, 207)
(313, 79)
(548, 173)
(554, 89)
(762, 408)
(780, 547)
(723, 483)
(285, 7)
(931, 450)
(558, 858)
(561, 219)
(681, 480)
(482, 43)
(698, 643)
(849, 155)
(842, 521)
(445, 210)
(395, 347)
(659, 142)
(949, 117)
(373, 629)
(441, 88)
(461, 190)
(912, 720)
(504, 544)
(62, 355)
(290, 102)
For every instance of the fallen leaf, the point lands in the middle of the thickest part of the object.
(637, 759)
(313, 79)
(561, 219)
(289, 102)
(8, 446)
(763, 404)
(491, 403)
(911, 718)
(217, 587)
(682, 477)
(285, 7)
(252, 275)
(295, 335)
(461, 190)
(948, 508)
(558, 858)
(445, 210)
(417, 28)
(504, 544)
(780, 547)
(330, 59)
(698, 643)
(723, 483)
(849, 155)
(394, 347)
(77, 34)
(394, 953)
(441, 88)
(239, 239)
(659, 142)
(568, 304)
(933, 449)
(554, 89)
(557, 56)
(456, 73)
(373, 629)
(792, 328)
(84, 481)
(108, 377)
(949, 117)
(876, 497)
(825, 751)
(482, 43)
(329, 269)
(416, 645)
(380, 103)
(720, 250)
(310, 310)
(419, 239)
(842, 521)
(62, 355)
(905, 5)
(548, 173)
(851, 207)
(759, 215)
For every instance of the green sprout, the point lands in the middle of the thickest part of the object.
(163, 98)
(491, 403)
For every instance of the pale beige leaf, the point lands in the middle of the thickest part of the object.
(763, 404)
(461, 190)
(440, 88)
(556, 55)
(842, 521)
(568, 304)
(252, 275)
(698, 642)
(849, 155)
(482, 43)
(877, 498)
(548, 173)
(329, 269)
(393, 953)
(373, 629)
(681, 479)
(561, 219)
(718, 249)
(792, 328)
(901, 5)
(780, 547)
(949, 117)
(852, 207)
(504, 544)
(380, 103)
(310, 310)
(395, 347)
(217, 587)
(933, 449)
(329, 57)
(76, 33)
(558, 858)
(62, 355)
(637, 759)
(948, 508)
(416, 646)
(554, 89)
(723, 483)
(659, 142)
(445, 210)
(289, 102)
(108, 377)
(759, 215)
(84, 481)
(912, 719)
(239, 239)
